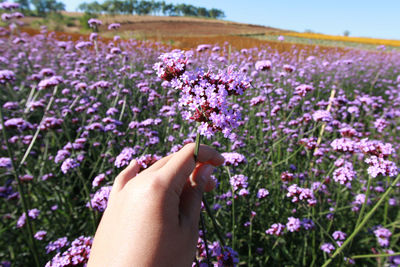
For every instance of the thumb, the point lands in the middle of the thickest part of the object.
(192, 194)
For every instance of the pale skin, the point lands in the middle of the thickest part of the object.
(152, 217)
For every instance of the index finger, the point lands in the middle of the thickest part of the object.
(181, 164)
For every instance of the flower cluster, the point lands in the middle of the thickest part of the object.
(344, 174)
(100, 199)
(76, 255)
(275, 229)
(204, 94)
(233, 158)
(298, 193)
(238, 181)
(6, 76)
(383, 236)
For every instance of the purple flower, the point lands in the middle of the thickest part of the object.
(57, 245)
(327, 248)
(17, 123)
(147, 160)
(339, 235)
(344, 145)
(307, 224)
(6, 76)
(380, 125)
(125, 157)
(50, 82)
(383, 236)
(276, 229)
(40, 235)
(203, 95)
(238, 181)
(203, 47)
(262, 193)
(21, 220)
(172, 64)
(6, 17)
(375, 148)
(83, 44)
(93, 23)
(68, 165)
(263, 65)
(5, 163)
(303, 89)
(62, 154)
(233, 158)
(76, 255)
(344, 174)
(100, 199)
(98, 179)
(322, 115)
(298, 193)
(293, 224)
(33, 213)
(9, 5)
(114, 26)
(381, 166)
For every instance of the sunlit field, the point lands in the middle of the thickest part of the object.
(309, 136)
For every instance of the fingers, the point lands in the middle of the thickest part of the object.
(192, 194)
(159, 164)
(179, 167)
(127, 174)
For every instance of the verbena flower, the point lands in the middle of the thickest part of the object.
(100, 199)
(5, 162)
(233, 158)
(125, 157)
(7, 76)
(94, 22)
(57, 244)
(69, 164)
(238, 181)
(383, 236)
(114, 26)
(263, 65)
(344, 174)
(39, 235)
(276, 229)
(293, 224)
(50, 82)
(262, 193)
(203, 95)
(339, 235)
(76, 255)
(380, 166)
(327, 248)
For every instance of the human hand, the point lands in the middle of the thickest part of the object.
(152, 218)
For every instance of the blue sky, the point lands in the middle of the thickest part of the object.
(367, 18)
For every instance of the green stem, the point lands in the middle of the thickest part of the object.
(28, 150)
(375, 255)
(197, 147)
(363, 205)
(203, 226)
(214, 222)
(363, 222)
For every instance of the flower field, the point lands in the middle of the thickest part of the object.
(310, 140)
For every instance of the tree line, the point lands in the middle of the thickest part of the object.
(39, 7)
(131, 7)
